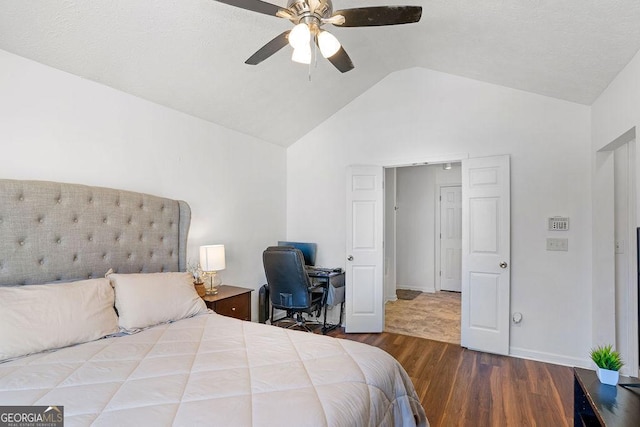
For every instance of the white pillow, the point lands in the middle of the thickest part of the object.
(35, 318)
(147, 299)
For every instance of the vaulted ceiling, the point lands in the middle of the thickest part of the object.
(189, 54)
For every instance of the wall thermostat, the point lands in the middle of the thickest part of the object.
(559, 223)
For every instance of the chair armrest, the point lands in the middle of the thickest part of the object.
(317, 288)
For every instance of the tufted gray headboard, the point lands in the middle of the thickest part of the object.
(52, 231)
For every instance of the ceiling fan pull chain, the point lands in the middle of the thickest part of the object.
(314, 56)
(315, 50)
(310, 67)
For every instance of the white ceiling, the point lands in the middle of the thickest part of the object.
(189, 54)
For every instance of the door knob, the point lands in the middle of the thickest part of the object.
(350, 258)
(503, 264)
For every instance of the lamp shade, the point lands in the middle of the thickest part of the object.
(212, 258)
(299, 36)
(302, 55)
(329, 45)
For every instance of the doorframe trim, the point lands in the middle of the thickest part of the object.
(603, 186)
(385, 244)
(445, 158)
(632, 285)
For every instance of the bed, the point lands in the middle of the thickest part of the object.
(160, 357)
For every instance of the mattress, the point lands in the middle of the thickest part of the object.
(218, 371)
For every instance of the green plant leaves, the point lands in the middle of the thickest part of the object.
(606, 357)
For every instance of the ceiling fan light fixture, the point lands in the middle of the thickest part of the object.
(299, 36)
(328, 43)
(302, 55)
(308, 17)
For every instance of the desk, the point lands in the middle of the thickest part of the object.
(326, 279)
(596, 404)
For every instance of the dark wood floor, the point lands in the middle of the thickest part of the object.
(460, 387)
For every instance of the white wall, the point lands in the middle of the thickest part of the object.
(415, 230)
(617, 109)
(59, 127)
(615, 117)
(420, 115)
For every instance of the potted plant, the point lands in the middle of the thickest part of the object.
(608, 362)
(196, 272)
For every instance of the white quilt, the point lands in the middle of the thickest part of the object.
(219, 371)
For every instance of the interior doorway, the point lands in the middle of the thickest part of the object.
(422, 250)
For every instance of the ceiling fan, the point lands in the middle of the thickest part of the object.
(309, 16)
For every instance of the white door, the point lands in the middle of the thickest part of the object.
(364, 267)
(485, 254)
(450, 238)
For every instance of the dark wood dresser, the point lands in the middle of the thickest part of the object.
(597, 404)
(232, 301)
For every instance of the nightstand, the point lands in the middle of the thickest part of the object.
(231, 301)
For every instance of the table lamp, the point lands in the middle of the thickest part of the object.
(212, 260)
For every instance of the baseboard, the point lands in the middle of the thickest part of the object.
(556, 359)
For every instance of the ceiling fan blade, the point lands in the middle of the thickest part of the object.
(269, 49)
(379, 15)
(341, 61)
(254, 5)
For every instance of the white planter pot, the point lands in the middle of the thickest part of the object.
(608, 377)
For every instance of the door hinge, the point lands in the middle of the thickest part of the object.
(441, 273)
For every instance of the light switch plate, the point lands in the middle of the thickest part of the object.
(557, 244)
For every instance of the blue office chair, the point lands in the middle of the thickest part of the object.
(290, 288)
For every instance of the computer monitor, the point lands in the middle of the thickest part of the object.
(308, 250)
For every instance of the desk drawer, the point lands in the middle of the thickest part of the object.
(237, 306)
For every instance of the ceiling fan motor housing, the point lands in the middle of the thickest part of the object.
(310, 10)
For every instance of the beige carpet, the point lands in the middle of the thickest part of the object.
(433, 316)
